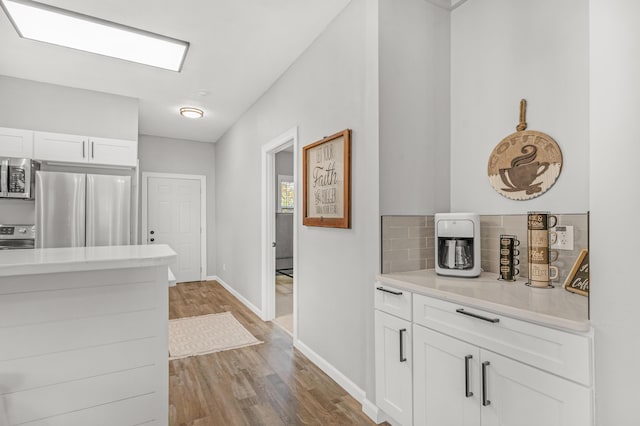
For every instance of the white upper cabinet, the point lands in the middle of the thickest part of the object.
(113, 151)
(60, 147)
(84, 149)
(16, 143)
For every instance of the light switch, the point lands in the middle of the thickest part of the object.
(564, 238)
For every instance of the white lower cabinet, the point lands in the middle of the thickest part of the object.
(459, 384)
(393, 366)
(469, 367)
(525, 396)
(446, 386)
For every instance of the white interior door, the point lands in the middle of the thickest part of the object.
(173, 211)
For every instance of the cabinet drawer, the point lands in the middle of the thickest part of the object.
(562, 353)
(393, 301)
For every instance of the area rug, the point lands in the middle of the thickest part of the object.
(206, 334)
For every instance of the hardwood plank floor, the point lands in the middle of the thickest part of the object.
(266, 384)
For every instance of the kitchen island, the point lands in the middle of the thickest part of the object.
(83, 336)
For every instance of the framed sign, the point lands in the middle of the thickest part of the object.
(578, 279)
(326, 181)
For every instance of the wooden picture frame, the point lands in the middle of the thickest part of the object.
(578, 279)
(326, 181)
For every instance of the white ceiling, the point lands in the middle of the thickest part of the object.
(238, 49)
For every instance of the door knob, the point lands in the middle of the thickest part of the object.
(151, 232)
(153, 239)
(273, 244)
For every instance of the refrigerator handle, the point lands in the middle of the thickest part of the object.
(4, 177)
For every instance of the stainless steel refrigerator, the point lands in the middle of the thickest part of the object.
(77, 209)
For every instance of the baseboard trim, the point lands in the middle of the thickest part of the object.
(331, 371)
(368, 407)
(237, 295)
(373, 412)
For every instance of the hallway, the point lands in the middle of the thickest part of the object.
(266, 384)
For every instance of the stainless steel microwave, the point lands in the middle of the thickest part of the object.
(17, 177)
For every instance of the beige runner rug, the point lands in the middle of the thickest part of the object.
(206, 334)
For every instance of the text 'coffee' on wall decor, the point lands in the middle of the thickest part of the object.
(326, 181)
(526, 163)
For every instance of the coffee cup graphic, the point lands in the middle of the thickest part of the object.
(523, 172)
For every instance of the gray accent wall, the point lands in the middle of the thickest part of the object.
(164, 155)
(503, 51)
(332, 86)
(414, 107)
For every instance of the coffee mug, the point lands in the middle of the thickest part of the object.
(541, 275)
(541, 221)
(508, 252)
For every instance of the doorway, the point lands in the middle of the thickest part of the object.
(280, 214)
(174, 213)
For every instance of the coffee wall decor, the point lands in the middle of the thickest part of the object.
(526, 163)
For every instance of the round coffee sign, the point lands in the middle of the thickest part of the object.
(525, 164)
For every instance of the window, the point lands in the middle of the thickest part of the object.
(286, 194)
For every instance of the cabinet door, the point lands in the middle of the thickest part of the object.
(517, 394)
(16, 143)
(446, 385)
(60, 147)
(393, 367)
(113, 151)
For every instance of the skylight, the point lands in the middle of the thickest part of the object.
(37, 21)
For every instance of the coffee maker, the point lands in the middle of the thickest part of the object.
(457, 244)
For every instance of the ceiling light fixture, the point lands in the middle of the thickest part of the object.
(41, 22)
(191, 112)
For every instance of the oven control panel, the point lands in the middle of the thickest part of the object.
(9, 232)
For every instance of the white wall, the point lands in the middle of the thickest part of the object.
(414, 107)
(27, 104)
(329, 88)
(505, 50)
(615, 202)
(163, 155)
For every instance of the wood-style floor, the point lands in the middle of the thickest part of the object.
(266, 384)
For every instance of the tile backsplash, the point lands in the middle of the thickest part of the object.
(408, 242)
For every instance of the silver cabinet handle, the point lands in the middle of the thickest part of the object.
(402, 357)
(83, 154)
(485, 400)
(471, 314)
(467, 392)
(93, 150)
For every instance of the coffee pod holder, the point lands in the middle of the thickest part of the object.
(538, 250)
(509, 258)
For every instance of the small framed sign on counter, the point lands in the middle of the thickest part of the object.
(326, 181)
(578, 279)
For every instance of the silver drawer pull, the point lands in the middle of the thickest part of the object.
(471, 314)
(485, 399)
(397, 293)
(467, 392)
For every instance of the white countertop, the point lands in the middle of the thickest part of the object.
(552, 307)
(73, 259)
